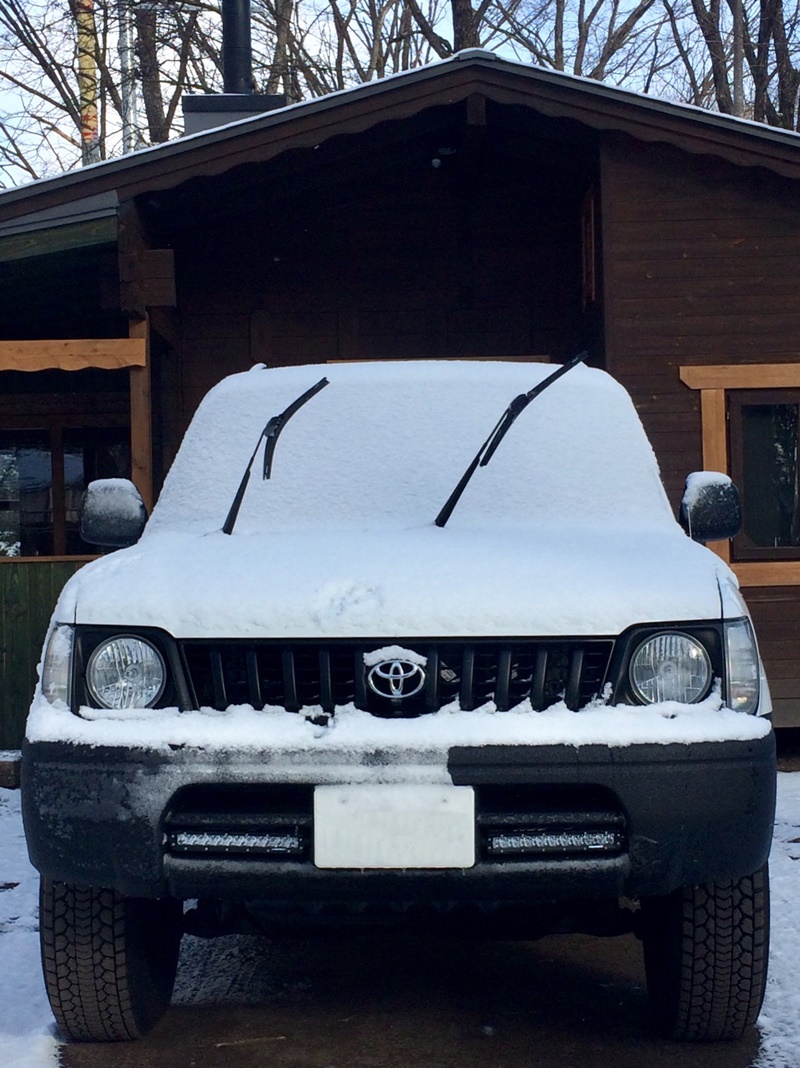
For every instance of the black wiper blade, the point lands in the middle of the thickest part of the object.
(270, 432)
(487, 450)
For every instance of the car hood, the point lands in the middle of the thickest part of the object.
(413, 582)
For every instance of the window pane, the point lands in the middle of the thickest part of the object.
(90, 453)
(26, 494)
(74, 486)
(770, 474)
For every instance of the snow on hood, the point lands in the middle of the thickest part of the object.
(418, 582)
(566, 531)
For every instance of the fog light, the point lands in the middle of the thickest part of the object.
(516, 842)
(224, 842)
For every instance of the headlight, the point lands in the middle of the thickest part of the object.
(670, 667)
(126, 672)
(741, 667)
(57, 664)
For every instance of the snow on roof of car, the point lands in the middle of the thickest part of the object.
(384, 444)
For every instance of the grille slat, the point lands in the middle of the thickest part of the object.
(539, 678)
(307, 674)
(218, 676)
(468, 678)
(254, 679)
(325, 682)
(432, 681)
(289, 681)
(503, 688)
(359, 678)
(573, 687)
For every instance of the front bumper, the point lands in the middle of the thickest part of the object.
(691, 813)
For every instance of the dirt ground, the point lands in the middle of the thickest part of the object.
(564, 1002)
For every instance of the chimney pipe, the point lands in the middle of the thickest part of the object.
(237, 65)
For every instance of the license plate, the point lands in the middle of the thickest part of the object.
(394, 826)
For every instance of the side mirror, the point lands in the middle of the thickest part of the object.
(113, 514)
(711, 509)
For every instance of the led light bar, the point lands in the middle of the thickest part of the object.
(516, 842)
(224, 842)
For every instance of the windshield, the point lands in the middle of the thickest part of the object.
(386, 443)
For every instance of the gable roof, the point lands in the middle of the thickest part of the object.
(351, 111)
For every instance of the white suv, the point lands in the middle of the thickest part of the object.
(512, 693)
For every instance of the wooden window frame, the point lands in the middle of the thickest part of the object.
(53, 429)
(743, 548)
(131, 353)
(714, 381)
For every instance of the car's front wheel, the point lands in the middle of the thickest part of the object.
(706, 949)
(109, 961)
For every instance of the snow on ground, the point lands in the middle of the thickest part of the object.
(26, 1024)
(780, 1017)
(27, 1030)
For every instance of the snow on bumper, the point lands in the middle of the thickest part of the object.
(275, 733)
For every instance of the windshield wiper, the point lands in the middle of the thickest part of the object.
(270, 432)
(487, 450)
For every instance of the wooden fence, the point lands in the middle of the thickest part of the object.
(29, 590)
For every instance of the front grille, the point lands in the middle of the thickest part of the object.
(307, 674)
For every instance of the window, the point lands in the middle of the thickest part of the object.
(764, 464)
(751, 429)
(43, 474)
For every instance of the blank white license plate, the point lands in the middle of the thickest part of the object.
(394, 826)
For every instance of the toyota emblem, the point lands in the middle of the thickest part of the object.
(396, 679)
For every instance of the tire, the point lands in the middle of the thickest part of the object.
(109, 961)
(706, 951)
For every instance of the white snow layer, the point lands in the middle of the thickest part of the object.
(566, 531)
(292, 742)
(27, 1029)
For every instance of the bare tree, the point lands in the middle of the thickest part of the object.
(110, 73)
(741, 57)
(67, 79)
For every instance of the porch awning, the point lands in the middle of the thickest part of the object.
(109, 354)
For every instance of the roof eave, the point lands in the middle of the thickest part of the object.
(559, 95)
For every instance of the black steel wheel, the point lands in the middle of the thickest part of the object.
(109, 961)
(706, 950)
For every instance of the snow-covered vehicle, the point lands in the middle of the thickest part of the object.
(527, 704)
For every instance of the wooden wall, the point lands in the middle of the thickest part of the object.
(411, 265)
(700, 263)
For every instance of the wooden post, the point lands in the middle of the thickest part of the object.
(141, 417)
(715, 447)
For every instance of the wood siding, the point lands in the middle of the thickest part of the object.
(776, 615)
(700, 262)
(415, 262)
(28, 593)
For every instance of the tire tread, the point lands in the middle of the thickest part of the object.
(89, 964)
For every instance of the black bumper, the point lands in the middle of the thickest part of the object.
(692, 813)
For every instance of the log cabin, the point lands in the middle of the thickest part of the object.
(476, 207)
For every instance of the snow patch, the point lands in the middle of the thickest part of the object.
(393, 652)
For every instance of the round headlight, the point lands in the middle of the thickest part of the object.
(126, 672)
(670, 667)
